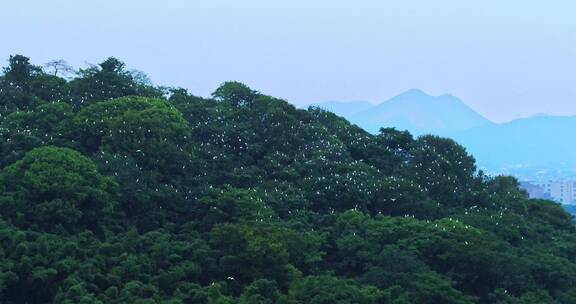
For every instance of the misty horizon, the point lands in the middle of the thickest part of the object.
(505, 60)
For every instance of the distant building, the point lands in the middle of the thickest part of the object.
(534, 191)
(562, 191)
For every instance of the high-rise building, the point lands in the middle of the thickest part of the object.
(562, 191)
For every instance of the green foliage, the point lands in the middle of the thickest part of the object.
(260, 292)
(256, 251)
(22, 131)
(149, 130)
(233, 205)
(234, 93)
(55, 189)
(327, 289)
(113, 190)
(106, 81)
(51, 88)
(443, 168)
(16, 85)
(389, 150)
(20, 72)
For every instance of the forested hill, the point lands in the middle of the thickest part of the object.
(113, 190)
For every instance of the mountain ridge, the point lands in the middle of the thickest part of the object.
(536, 140)
(526, 142)
(416, 111)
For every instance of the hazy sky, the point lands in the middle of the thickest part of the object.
(506, 59)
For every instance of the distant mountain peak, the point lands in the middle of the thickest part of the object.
(412, 95)
(414, 92)
(420, 113)
(418, 96)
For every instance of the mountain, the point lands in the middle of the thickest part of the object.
(538, 145)
(539, 142)
(419, 113)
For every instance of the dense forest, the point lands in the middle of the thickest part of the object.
(113, 190)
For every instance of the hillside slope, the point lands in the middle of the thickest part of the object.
(116, 191)
(539, 141)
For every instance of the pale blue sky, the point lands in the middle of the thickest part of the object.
(506, 59)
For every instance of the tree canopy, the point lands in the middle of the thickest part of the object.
(113, 190)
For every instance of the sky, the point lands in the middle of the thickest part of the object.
(505, 59)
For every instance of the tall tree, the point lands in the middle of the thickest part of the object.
(106, 81)
(61, 67)
(56, 189)
(235, 93)
(16, 84)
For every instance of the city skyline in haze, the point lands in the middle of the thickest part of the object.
(505, 60)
